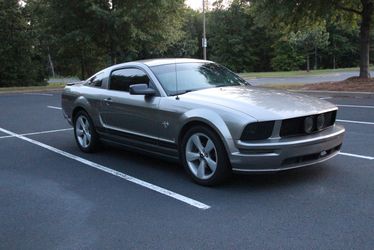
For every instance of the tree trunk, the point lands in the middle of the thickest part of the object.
(51, 64)
(315, 58)
(365, 26)
(307, 63)
(334, 62)
(83, 65)
(112, 53)
(82, 69)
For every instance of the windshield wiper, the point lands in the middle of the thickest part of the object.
(183, 92)
(225, 85)
(186, 91)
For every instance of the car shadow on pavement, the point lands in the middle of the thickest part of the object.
(288, 178)
(142, 161)
(142, 165)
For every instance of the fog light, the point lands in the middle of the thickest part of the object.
(308, 124)
(320, 121)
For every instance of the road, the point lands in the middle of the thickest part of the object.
(55, 197)
(333, 77)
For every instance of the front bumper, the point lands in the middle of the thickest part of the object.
(288, 153)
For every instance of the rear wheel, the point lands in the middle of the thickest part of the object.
(84, 132)
(204, 156)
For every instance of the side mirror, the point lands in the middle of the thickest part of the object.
(141, 89)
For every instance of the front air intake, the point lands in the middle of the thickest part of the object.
(300, 125)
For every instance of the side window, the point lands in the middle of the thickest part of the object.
(97, 80)
(122, 79)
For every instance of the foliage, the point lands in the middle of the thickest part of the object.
(84, 36)
(300, 13)
(77, 38)
(144, 29)
(20, 61)
(286, 58)
(309, 40)
(233, 39)
(188, 44)
(342, 50)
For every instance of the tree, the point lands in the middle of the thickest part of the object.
(84, 36)
(188, 44)
(309, 41)
(139, 29)
(20, 60)
(233, 38)
(299, 11)
(342, 50)
(286, 57)
(65, 34)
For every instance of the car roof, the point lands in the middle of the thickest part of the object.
(163, 61)
(157, 62)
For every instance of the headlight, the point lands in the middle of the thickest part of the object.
(257, 131)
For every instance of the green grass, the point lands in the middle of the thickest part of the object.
(295, 73)
(50, 86)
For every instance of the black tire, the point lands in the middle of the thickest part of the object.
(80, 133)
(200, 169)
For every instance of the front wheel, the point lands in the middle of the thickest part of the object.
(204, 156)
(84, 132)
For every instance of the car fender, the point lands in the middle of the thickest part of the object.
(213, 120)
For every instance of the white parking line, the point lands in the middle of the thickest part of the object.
(54, 107)
(358, 122)
(38, 133)
(44, 94)
(355, 106)
(357, 156)
(129, 178)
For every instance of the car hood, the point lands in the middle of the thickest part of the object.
(260, 103)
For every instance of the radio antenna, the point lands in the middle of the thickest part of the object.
(176, 79)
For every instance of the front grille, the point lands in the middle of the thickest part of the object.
(295, 126)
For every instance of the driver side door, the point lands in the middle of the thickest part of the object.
(130, 116)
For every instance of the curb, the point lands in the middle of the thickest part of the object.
(30, 91)
(335, 93)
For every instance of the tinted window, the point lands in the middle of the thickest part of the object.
(194, 76)
(121, 79)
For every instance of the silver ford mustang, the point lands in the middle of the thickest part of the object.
(203, 115)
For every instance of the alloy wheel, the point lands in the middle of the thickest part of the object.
(83, 133)
(201, 156)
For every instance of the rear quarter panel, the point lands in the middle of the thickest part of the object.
(80, 96)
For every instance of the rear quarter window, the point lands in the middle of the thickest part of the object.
(96, 80)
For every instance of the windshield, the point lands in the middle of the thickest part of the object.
(194, 76)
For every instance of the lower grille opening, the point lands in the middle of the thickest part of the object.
(310, 157)
(256, 151)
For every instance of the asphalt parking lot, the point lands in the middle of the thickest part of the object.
(54, 196)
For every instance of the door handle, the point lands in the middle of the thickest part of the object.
(108, 101)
